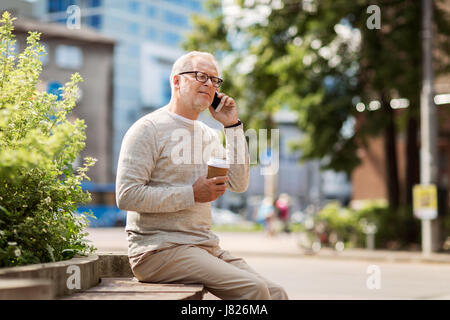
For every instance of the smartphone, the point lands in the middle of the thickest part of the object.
(216, 102)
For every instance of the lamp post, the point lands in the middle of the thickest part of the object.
(428, 130)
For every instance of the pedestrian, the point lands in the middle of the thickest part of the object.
(282, 205)
(266, 215)
(168, 197)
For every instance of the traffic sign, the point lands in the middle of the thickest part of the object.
(425, 201)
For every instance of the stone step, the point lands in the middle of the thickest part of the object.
(26, 289)
(131, 289)
(69, 276)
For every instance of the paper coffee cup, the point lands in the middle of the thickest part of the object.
(217, 168)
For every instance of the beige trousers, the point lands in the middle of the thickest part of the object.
(223, 275)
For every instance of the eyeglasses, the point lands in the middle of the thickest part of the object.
(203, 77)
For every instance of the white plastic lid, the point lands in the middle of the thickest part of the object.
(218, 163)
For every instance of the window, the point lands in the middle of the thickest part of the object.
(152, 34)
(94, 3)
(94, 21)
(190, 4)
(125, 93)
(134, 6)
(195, 5)
(175, 18)
(128, 72)
(53, 87)
(69, 57)
(133, 51)
(133, 28)
(59, 5)
(54, 5)
(131, 115)
(152, 11)
(171, 38)
(51, 6)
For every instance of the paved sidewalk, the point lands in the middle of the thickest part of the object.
(281, 245)
(287, 245)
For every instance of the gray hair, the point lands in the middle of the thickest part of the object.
(184, 63)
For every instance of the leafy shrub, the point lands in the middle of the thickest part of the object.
(394, 229)
(39, 188)
(342, 222)
(377, 213)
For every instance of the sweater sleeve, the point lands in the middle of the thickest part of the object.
(237, 153)
(138, 156)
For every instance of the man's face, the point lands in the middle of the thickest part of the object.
(196, 94)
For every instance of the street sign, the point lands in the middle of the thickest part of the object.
(425, 201)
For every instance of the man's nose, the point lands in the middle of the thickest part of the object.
(208, 82)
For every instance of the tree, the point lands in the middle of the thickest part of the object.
(320, 59)
(274, 65)
(390, 68)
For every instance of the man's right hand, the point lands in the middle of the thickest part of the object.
(207, 190)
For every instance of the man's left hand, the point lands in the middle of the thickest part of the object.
(228, 115)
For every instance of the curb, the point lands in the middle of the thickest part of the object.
(333, 255)
(68, 277)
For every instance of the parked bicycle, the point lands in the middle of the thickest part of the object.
(317, 235)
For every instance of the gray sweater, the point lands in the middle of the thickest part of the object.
(161, 157)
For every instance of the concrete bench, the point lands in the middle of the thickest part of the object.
(26, 289)
(102, 276)
(118, 283)
(48, 280)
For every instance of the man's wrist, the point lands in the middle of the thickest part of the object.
(234, 125)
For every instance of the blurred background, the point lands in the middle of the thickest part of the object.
(341, 81)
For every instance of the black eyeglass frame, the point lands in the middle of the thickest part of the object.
(219, 81)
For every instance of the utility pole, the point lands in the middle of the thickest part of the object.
(428, 123)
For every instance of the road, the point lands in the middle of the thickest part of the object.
(308, 277)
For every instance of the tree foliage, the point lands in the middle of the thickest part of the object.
(39, 188)
(320, 59)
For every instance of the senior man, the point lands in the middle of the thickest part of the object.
(168, 197)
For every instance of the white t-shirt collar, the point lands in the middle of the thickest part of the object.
(189, 121)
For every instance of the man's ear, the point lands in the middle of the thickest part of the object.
(176, 81)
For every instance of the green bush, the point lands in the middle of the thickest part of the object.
(39, 188)
(342, 222)
(394, 230)
(376, 212)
